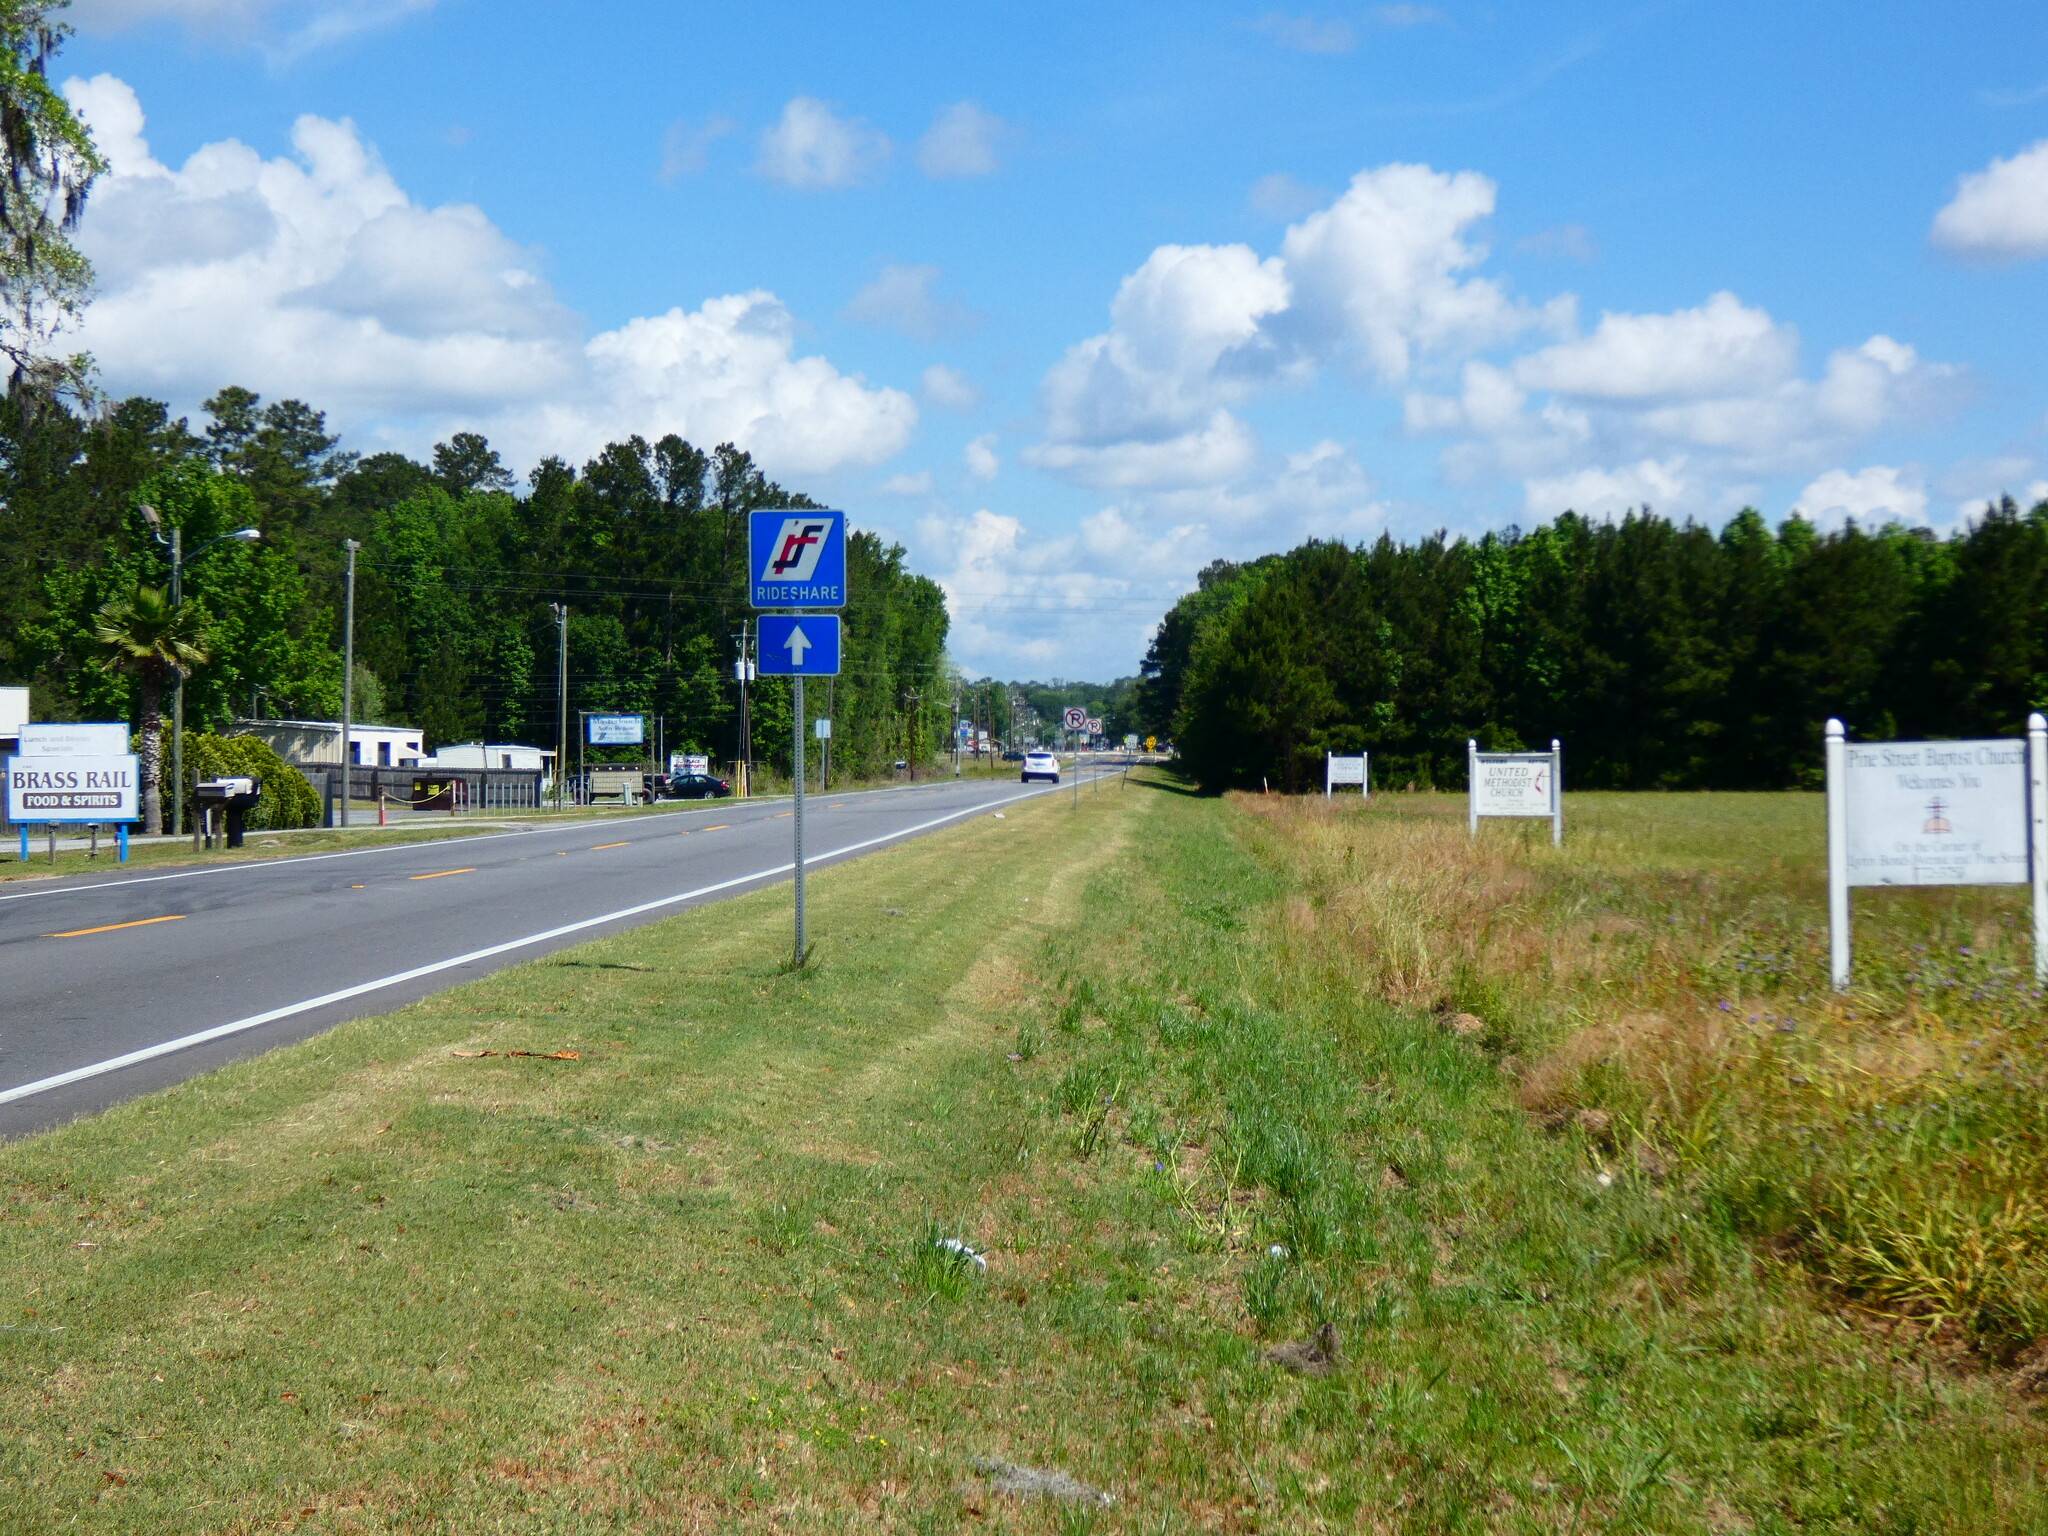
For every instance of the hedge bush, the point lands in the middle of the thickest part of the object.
(288, 799)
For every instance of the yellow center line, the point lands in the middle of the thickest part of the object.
(723, 826)
(600, 847)
(437, 874)
(140, 922)
(780, 814)
(839, 807)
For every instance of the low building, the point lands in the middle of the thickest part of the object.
(492, 754)
(317, 743)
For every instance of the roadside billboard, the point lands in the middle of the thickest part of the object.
(74, 789)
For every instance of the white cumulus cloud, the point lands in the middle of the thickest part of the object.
(1379, 278)
(813, 149)
(1383, 267)
(961, 142)
(1878, 494)
(686, 146)
(1595, 492)
(1146, 398)
(316, 275)
(980, 457)
(950, 389)
(1722, 347)
(2001, 212)
(902, 298)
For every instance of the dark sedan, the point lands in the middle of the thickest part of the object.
(692, 786)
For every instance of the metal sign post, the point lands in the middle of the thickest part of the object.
(1075, 720)
(799, 751)
(797, 646)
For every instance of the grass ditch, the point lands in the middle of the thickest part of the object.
(1079, 1167)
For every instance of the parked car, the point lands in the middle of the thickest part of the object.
(693, 786)
(1040, 765)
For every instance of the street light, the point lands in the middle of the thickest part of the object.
(175, 543)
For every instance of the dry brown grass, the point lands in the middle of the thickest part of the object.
(1659, 989)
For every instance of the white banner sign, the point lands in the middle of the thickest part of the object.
(72, 739)
(1936, 812)
(73, 789)
(1343, 770)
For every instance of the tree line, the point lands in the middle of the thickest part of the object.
(1663, 654)
(460, 564)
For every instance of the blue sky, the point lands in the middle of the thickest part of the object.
(1074, 299)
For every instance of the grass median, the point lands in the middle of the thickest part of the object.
(1089, 1160)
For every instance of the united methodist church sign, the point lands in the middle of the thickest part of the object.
(1936, 813)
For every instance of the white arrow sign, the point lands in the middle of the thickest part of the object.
(799, 642)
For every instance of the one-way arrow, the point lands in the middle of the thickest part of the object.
(799, 642)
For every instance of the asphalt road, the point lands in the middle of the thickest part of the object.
(113, 987)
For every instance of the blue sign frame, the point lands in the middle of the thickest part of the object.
(796, 559)
(799, 645)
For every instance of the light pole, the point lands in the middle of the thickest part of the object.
(348, 681)
(175, 543)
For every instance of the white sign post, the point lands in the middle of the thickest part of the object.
(1515, 784)
(1345, 770)
(1936, 813)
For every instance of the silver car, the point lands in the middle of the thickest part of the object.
(1041, 765)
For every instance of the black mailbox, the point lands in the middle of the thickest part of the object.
(232, 796)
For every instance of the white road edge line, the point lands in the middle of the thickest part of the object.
(257, 866)
(255, 1021)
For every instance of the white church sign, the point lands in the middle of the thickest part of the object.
(1345, 770)
(1936, 813)
(1515, 784)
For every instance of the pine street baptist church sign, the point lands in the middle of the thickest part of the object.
(1936, 813)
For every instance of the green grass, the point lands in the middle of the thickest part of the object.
(693, 1279)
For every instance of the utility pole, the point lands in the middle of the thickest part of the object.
(178, 692)
(561, 611)
(175, 543)
(743, 673)
(348, 680)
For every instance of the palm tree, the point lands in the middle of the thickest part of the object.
(159, 643)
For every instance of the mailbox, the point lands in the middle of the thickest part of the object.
(232, 796)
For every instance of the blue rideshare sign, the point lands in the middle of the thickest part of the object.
(797, 559)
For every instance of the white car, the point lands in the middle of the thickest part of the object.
(1041, 765)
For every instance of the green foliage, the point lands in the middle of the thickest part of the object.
(457, 575)
(288, 799)
(1663, 655)
(47, 165)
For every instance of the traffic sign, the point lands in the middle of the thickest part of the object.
(1075, 719)
(797, 559)
(799, 645)
(1094, 726)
